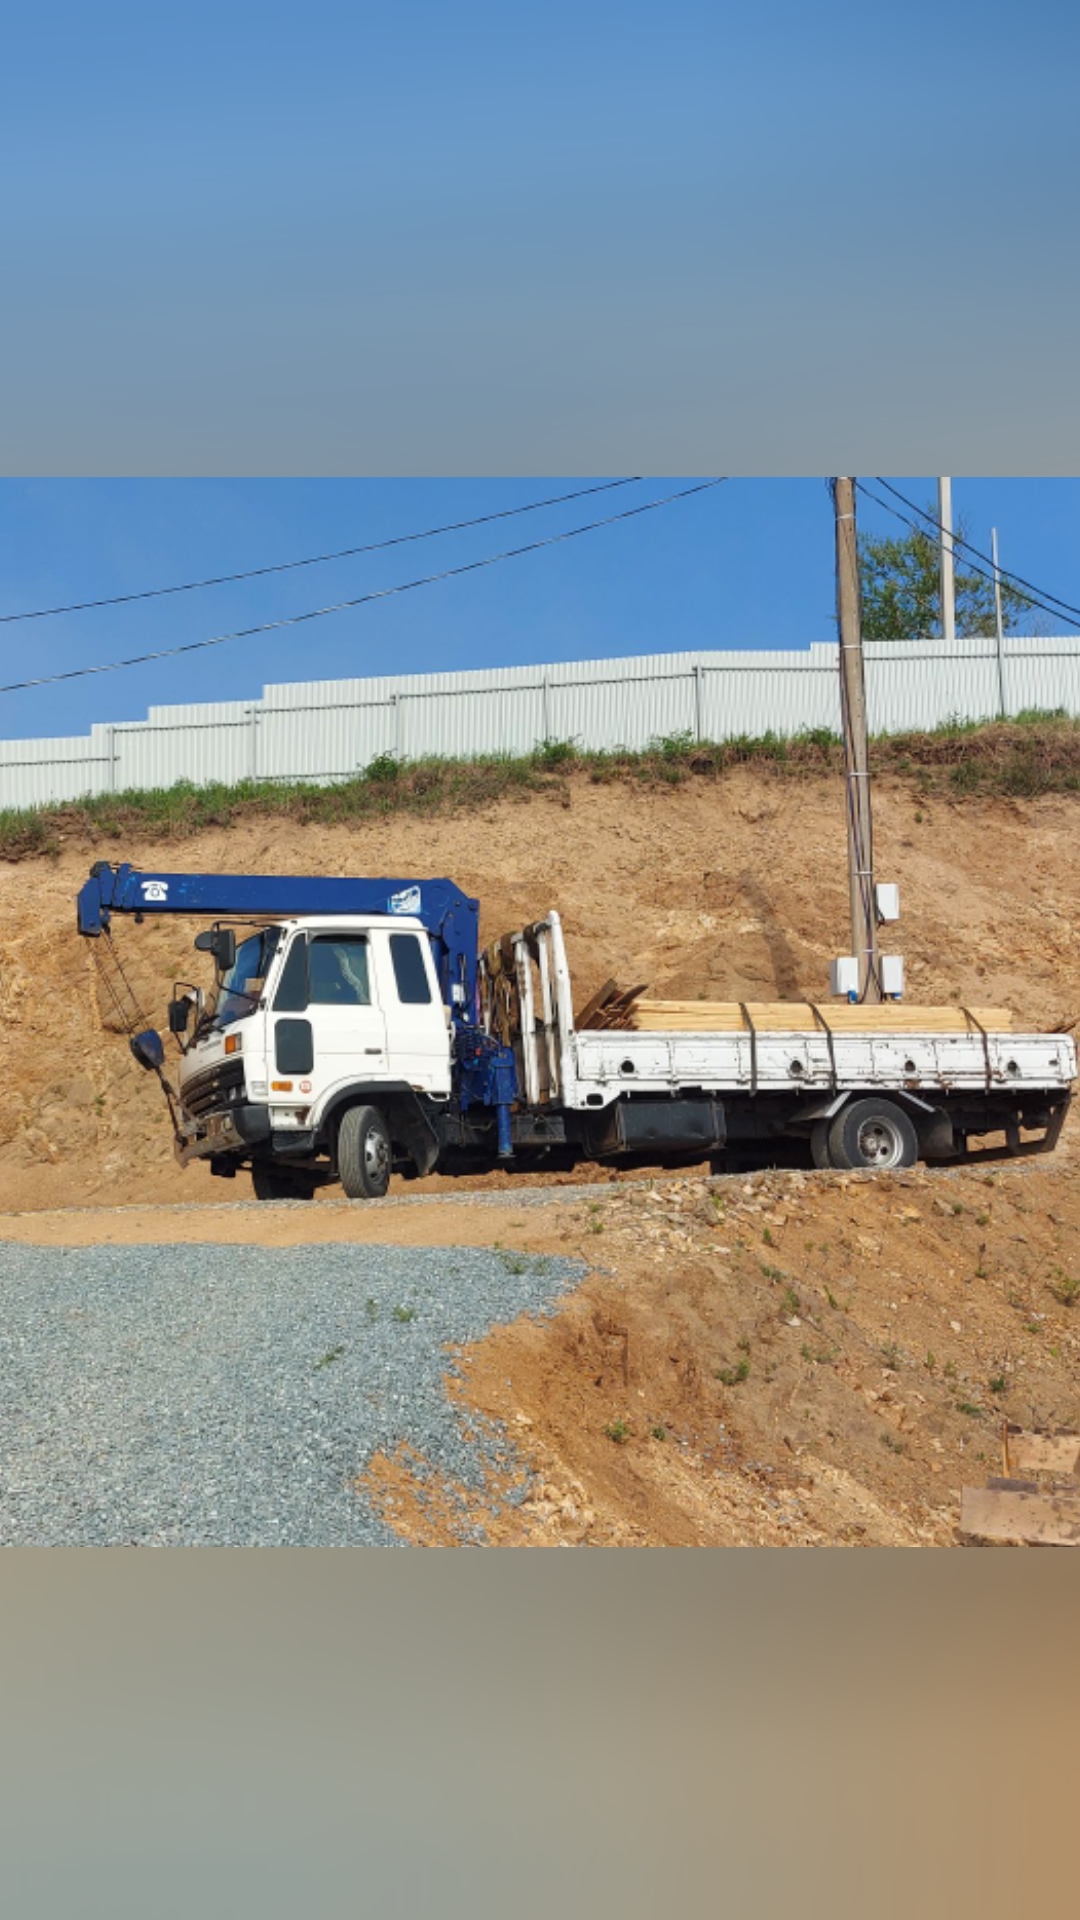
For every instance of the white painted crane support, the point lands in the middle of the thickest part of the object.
(554, 1077)
(527, 1021)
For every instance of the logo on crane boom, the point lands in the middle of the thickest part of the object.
(154, 889)
(407, 901)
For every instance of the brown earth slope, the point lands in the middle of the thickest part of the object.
(794, 1359)
(786, 1358)
(723, 890)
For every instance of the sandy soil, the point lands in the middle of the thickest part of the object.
(785, 1358)
(791, 1359)
(729, 889)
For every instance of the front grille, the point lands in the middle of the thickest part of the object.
(217, 1087)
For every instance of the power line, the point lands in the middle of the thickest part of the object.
(1016, 578)
(1005, 572)
(364, 599)
(316, 559)
(1056, 612)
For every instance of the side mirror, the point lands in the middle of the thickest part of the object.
(221, 943)
(179, 1014)
(186, 1000)
(148, 1050)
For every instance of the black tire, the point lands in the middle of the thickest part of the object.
(873, 1135)
(364, 1154)
(819, 1143)
(275, 1183)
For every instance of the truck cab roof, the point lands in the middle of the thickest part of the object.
(357, 922)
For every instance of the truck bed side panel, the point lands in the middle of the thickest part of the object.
(607, 1065)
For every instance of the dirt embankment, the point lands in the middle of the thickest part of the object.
(731, 889)
(795, 1359)
(812, 1357)
(785, 1359)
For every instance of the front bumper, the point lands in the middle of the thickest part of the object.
(222, 1132)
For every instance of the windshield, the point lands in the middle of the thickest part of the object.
(238, 991)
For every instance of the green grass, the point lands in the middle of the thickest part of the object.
(734, 1376)
(822, 1358)
(514, 1262)
(1065, 1287)
(619, 1430)
(1035, 753)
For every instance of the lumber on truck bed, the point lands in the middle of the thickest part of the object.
(794, 1016)
(610, 1007)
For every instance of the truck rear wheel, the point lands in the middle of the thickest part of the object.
(364, 1153)
(873, 1134)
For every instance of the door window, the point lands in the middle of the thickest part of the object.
(338, 973)
(410, 973)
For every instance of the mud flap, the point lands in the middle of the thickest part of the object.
(937, 1141)
(411, 1125)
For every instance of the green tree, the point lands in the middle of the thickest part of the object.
(901, 591)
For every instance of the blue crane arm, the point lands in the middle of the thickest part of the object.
(450, 917)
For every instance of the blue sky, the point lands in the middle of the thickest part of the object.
(749, 564)
(419, 238)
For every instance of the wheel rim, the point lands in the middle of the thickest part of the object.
(376, 1155)
(880, 1143)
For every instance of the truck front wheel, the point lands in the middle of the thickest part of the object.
(364, 1153)
(873, 1135)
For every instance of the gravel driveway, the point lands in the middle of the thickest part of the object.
(229, 1396)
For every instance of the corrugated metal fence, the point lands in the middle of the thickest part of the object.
(323, 730)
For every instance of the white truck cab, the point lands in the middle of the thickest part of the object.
(310, 1011)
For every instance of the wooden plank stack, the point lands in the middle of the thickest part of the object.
(609, 1009)
(792, 1016)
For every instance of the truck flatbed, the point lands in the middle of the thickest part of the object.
(948, 1085)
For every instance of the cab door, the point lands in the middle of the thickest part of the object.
(327, 1025)
(418, 1033)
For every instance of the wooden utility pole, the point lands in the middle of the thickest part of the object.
(856, 755)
